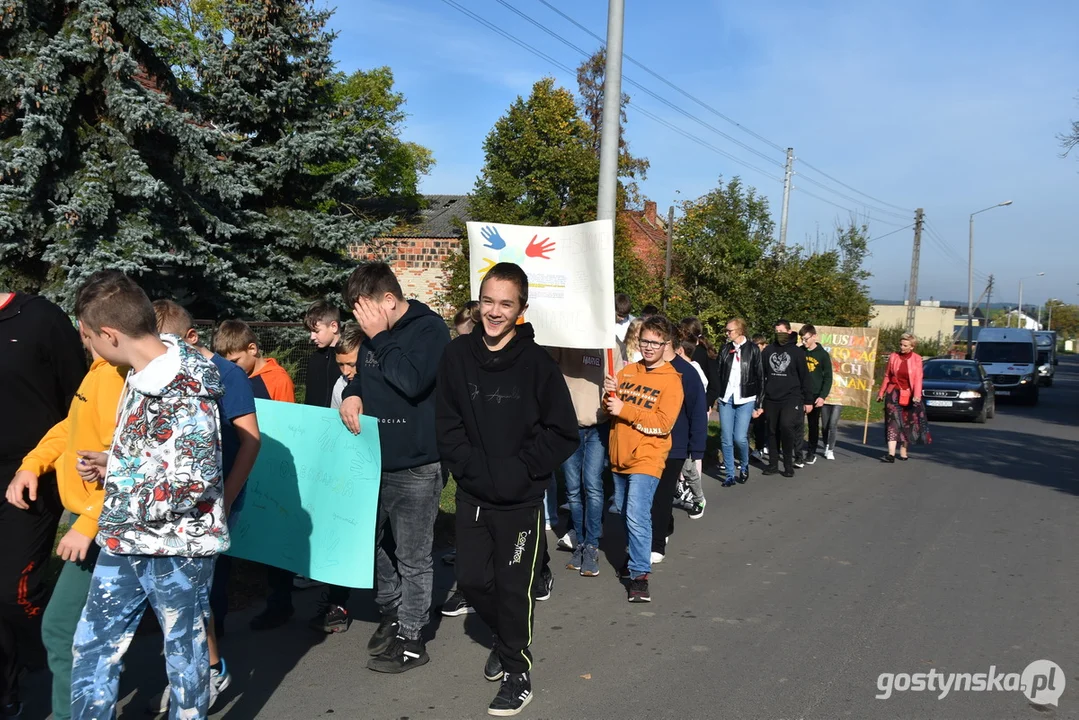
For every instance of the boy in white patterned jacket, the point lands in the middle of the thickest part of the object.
(163, 522)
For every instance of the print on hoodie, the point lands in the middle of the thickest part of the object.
(163, 484)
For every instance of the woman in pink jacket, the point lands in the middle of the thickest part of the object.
(904, 415)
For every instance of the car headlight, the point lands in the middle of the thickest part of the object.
(1026, 378)
(969, 395)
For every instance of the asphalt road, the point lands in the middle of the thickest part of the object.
(787, 600)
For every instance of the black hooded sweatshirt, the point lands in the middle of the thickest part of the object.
(322, 374)
(42, 363)
(505, 419)
(786, 374)
(395, 378)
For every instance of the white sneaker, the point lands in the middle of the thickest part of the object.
(657, 558)
(828, 454)
(568, 541)
(547, 525)
(219, 682)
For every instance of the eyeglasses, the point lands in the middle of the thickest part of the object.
(731, 330)
(652, 344)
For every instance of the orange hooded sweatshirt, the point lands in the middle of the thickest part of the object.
(641, 436)
(278, 382)
(89, 425)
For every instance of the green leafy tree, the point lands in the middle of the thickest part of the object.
(729, 264)
(184, 23)
(104, 161)
(400, 165)
(540, 168)
(310, 146)
(590, 78)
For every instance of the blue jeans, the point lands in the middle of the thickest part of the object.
(550, 501)
(637, 492)
(584, 473)
(178, 591)
(734, 423)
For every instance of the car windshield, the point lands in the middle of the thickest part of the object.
(1044, 340)
(950, 371)
(1005, 352)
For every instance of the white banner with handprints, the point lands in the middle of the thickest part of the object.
(570, 277)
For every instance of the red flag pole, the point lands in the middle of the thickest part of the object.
(610, 365)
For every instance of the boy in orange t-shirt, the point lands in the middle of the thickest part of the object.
(236, 342)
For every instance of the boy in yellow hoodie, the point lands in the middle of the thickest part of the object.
(89, 426)
(643, 404)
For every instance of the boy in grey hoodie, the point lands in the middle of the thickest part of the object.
(163, 519)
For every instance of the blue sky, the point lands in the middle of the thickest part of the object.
(951, 106)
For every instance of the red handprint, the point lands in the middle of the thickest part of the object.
(539, 249)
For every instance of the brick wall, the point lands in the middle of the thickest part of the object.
(417, 262)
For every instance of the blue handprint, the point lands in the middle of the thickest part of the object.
(494, 240)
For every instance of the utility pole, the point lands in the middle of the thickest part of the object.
(786, 197)
(988, 299)
(912, 296)
(610, 125)
(670, 246)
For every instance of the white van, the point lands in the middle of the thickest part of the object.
(1009, 356)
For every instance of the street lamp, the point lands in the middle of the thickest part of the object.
(970, 281)
(1028, 277)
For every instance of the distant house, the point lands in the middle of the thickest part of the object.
(931, 322)
(419, 246)
(648, 233)
(1014, 318)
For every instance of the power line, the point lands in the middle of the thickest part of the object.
(893, 232)
(950, 252)
(491, 26)
(630, 81)
(852, 199)
(667, 82)
(704, 143)
(853, 189)
(703, 104)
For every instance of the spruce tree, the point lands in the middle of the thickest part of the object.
(310, 150)
(103, 159)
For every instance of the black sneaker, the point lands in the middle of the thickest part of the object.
(274, 616)
(770, 470)
(742, 476)
(457, 605)
(545, 586)
(513, 695)
(383, 636)
(799, 463)
(696, 510)
(492, 669)
(402, 655)
(638, 589)
(811, 459)
(330, 619)
(788, 473)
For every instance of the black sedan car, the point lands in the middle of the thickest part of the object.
(957, 389)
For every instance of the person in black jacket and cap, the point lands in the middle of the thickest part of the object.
(787, 397)
(505, 423)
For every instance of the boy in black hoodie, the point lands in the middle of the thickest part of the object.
(505, 423)
(395, 382)
(787, 397)
(323, 321)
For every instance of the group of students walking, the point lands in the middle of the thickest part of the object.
(150, 452)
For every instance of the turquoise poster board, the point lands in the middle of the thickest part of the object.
(310, 503)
